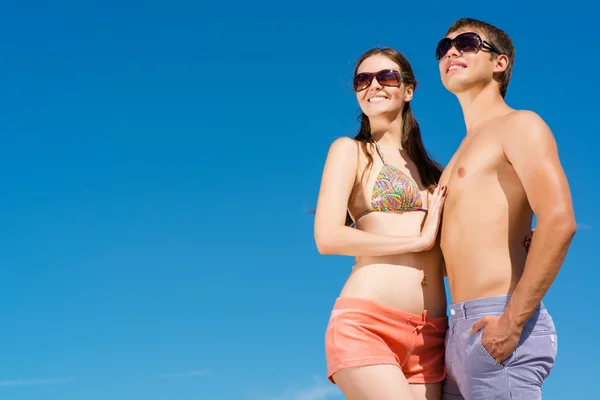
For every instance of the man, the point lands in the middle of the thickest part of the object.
(501, 343)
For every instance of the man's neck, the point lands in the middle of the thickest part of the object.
(480, 105)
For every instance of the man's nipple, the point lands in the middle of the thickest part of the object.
(461, 172)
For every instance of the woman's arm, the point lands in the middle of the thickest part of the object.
(331, 234)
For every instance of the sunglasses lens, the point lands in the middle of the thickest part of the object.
(468, 42)
(362, 81)
(388, 77)
(442, 48)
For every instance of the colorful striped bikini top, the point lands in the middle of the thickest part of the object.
(393, 190)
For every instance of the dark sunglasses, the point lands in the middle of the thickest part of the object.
(385, 77)
(468, 42)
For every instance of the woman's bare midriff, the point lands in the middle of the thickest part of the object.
(410, 282)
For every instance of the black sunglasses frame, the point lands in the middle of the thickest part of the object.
(449, 43)
(377, 75)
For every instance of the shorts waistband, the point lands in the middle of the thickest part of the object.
(477, 307)
(370, 306)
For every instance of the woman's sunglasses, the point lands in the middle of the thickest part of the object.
(385, 77)
(468, 42)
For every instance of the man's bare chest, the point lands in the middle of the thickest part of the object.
(475, 161)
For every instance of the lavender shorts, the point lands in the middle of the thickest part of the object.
(473, 374)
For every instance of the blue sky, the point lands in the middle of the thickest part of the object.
(158, 160)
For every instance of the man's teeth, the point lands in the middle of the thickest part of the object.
(377, 98)
(455, 66)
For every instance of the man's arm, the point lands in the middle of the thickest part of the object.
(531, 149)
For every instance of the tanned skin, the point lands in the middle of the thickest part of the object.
(506, 169)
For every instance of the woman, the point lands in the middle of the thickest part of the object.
(385, 338)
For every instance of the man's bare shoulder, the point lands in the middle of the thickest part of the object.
(527, 137)
(526, 126)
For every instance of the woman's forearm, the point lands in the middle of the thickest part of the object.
(353, 242)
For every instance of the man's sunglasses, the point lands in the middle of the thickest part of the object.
(385, 77)
(468, 42)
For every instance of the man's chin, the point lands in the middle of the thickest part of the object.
(456, 86)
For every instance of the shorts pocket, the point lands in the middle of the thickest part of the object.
(537, 355)
(486, 354)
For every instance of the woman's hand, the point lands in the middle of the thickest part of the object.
(434, 215)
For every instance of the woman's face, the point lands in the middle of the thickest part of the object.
(385, 96)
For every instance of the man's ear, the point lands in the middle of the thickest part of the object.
(500, 63)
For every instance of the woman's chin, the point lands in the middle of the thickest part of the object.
(375, 112)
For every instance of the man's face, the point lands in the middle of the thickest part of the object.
(466, 63)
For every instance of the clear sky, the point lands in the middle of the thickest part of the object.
(158, 159)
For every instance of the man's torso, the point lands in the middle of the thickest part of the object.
(486, 218)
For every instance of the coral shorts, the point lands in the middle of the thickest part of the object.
(362, 332)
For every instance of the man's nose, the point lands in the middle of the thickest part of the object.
(452, 52)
